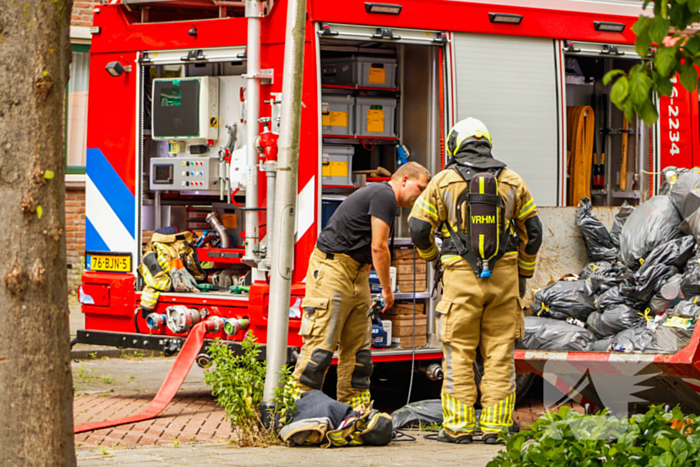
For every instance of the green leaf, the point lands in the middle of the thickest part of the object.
(678, 446)
(665, 60)
(689, 76)
(639, 87)
(628, 108)
(658, 29)
(694, 5)
(692, 45)
(610, 75)
(48, 175)
(664, 86)
(664, 443)
(620, 91)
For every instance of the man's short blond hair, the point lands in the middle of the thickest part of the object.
(412, 170)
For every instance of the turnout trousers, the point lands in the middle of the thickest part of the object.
(483, 313)
(335, 316)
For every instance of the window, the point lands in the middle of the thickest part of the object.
(76, 109)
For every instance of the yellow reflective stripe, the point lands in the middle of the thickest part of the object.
(428, 254)
(526, 265)
(481, 242)
(481, 185)
(427, 207)
(527, 208)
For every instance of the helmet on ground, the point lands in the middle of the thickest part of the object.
(468, 130)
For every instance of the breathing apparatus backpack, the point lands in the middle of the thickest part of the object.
(486, 239)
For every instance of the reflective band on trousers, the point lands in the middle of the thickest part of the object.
(498, 416)
(358, 401)
(456, 416)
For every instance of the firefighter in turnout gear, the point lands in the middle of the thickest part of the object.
(491, 234)
(337, 285)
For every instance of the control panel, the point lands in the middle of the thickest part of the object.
(184, 173)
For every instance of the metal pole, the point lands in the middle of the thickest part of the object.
(285, 196)
(252, 12)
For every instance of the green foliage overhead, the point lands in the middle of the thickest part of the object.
(566, 438)
(676, 53)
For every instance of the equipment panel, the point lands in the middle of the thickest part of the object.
(184, 173)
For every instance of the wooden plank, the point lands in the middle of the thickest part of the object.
(410, 286)
(407, 341)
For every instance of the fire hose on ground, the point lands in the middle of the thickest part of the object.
(177, 374)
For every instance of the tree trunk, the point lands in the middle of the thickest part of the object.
(36, 394)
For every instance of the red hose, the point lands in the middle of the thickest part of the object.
(176, 376)
(233, 200)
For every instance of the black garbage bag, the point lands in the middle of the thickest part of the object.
(614, 297)
(649, 282)
(613, 321)
(691, 225)
(620, 219)
(552, 334)
(653, 223)
(685, 193)
(602, 345)
(674, 253)
(604, 279)
(690, 284)
(668, 340)
(599, 245)
(667, 297)
(669, 176)
(565, 299)
(688, 309)
(633, 340)
(426, 412)
(590, 268)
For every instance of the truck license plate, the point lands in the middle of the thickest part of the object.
(109, 263)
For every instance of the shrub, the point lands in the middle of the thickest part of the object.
(237, 382)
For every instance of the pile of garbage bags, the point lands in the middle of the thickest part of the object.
(640, 291)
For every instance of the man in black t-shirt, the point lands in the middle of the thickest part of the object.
(337, 284)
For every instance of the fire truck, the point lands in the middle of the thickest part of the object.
(184, 107)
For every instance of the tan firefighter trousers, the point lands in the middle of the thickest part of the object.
(482, 313)
(335, 316)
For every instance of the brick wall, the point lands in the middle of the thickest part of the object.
(82, 12)
(75, 233)
(75, 192)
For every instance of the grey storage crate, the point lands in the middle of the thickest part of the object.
(337, 115)
(374, 116)
(373, 72)
(336, 165)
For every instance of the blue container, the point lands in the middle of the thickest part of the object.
(379, 335)
(328, 207)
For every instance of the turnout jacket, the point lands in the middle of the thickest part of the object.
(437, 205)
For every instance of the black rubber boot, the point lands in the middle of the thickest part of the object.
(492, 438)
(445, 438)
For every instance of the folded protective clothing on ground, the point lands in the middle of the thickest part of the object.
(614, 320)
(565, 299)
(552, 334)
(320, 420)
(674, 253)
(619, 221)
(599, 245)
(653, 223)
(335, 317)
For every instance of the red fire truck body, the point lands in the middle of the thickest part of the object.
(516, 65)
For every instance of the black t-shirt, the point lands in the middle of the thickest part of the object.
(349, 229)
